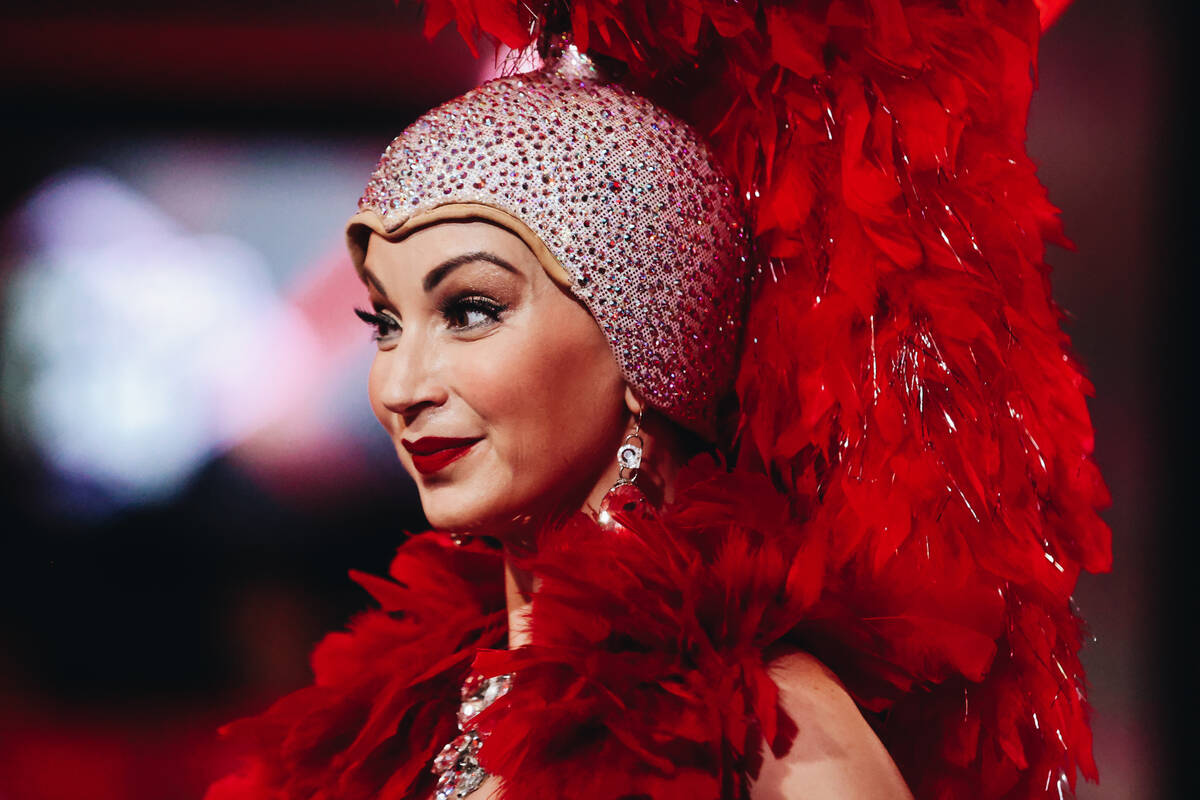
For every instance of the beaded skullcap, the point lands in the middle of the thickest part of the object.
(622, 203)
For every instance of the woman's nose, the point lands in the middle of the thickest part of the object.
(411, 382)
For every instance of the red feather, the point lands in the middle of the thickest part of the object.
(649, 665)
(385, 693)
(906, 386)
(905, 377)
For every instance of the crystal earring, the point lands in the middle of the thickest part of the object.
(625, 495)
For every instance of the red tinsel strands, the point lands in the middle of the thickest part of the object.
(905, 378)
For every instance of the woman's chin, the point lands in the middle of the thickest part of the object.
(463, 509)
(487, 501)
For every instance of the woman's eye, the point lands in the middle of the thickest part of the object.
(385, 325)
(468, 313)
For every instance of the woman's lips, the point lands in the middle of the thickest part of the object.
(433, 453)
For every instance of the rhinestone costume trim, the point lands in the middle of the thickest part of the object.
(457, 765)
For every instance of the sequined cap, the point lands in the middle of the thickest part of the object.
(622, 202)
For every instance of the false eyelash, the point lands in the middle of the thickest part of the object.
(478, 303)
(379, 322)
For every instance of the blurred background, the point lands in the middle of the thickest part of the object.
(189, 462)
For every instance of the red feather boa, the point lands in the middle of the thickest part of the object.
(646, 676)
(386, 693)
(915, 495)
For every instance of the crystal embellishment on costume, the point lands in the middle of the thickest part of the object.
(457, 765)
(626, 197)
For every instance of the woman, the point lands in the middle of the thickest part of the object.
(855, 583)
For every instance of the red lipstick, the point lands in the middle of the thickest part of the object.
(433, 453)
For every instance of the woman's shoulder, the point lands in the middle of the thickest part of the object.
(835, 754)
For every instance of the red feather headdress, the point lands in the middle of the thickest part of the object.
(904, 377)
(913, 497)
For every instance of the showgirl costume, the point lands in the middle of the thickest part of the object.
(849, 233)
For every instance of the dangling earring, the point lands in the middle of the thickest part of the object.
(624, 495)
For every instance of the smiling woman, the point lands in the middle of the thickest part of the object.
(755, 472)
(498, 389)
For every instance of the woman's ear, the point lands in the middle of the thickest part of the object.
(633, 401)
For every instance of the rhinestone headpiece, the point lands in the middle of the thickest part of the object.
(622, 202)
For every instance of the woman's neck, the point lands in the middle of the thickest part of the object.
(518, 594)
(667, 448)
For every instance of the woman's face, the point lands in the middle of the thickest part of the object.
(499, 390)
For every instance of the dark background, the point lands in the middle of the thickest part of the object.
(129, 631)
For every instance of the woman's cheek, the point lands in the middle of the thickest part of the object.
(509, 381)
(375, 378)
(493, 378)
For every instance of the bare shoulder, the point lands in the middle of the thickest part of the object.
(836, 754)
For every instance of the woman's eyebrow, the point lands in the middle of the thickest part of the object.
(439, 273)
(373, 282)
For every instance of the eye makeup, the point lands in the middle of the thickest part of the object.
(468, 311)
(472, 299)
(384, 324)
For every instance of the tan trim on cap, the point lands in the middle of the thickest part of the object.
(364, 223)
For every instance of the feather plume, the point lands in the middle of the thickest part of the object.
(913, 496)
(905, 381)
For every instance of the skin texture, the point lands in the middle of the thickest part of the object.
(504, 354)
(835, 754)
